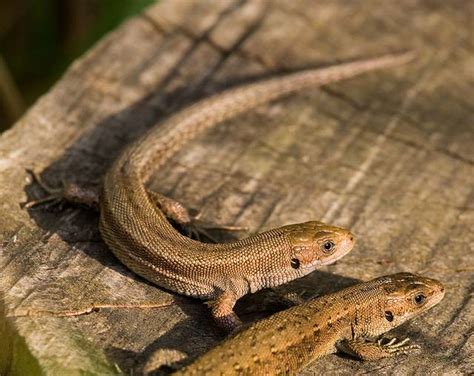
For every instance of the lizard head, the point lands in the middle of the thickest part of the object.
(407, 295)
(314, 244)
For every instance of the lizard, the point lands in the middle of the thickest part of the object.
(347, 321)
(134, 220)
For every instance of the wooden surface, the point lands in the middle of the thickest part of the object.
(389, 155)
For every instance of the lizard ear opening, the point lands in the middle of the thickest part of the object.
(295, 263)
(389, 316)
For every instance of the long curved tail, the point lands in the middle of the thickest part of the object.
(161, 142)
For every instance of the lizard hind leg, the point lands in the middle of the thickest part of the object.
(69, 192)
(191, 224)
(368, 350)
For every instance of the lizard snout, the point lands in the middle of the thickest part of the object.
(347, 243)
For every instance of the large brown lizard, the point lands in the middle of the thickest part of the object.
(134, 224)
(344, 321)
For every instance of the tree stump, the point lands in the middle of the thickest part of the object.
(388, 155)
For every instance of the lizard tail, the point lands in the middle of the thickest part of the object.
(161, 142)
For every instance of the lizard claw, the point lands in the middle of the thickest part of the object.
(188, 219)
(382, 348)
(198, 229)
(194, 231)
(394, 346)
(54, 195)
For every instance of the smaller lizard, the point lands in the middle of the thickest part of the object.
(344, 321)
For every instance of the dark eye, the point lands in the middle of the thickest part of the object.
(327, 246)
(419, 299)
(295, 263)
(389, 316)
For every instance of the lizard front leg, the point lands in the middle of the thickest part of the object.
(222, 310)
(369, 350)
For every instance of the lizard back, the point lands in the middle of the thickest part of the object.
(139, 234)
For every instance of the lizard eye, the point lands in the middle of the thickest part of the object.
(327, 246)
(419, 299)
(389, 316)
(295, 263)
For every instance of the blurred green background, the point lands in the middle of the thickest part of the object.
(40, 38)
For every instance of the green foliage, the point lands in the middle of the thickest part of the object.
(45, 36)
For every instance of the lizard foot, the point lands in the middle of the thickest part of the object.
(223, 313)
(368, 350)
(199, 230)
(69, 192)
(395, 347)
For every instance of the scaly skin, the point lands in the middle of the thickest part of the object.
(139, 234)
(289, 340)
